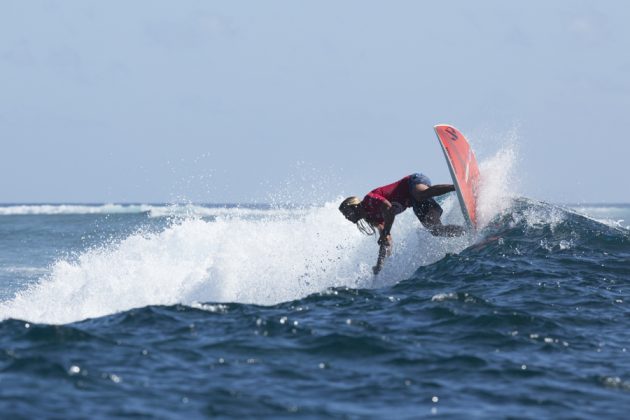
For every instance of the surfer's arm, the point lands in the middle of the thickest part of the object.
(389, 214)
(382, 253)
(385, 239)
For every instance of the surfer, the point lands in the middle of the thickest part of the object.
(379, 208)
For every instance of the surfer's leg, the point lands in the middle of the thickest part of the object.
(418, 184)
(429, 213)
(421, 189)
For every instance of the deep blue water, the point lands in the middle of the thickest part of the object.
(259, 312)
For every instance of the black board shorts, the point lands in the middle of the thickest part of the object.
(422, 208)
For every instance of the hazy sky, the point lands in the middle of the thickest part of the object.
(242, 101)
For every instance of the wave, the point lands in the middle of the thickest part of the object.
(69, 209)
(261, 260)
(271, 260)
(615, 215)
(152, 210)
(536, 242)
(270, 256)
(14, 269)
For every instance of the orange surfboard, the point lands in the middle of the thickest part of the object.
(464, 170)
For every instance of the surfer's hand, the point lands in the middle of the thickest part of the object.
(376, 269)
(385, 240)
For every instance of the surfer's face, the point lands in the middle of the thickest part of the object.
(351, 213)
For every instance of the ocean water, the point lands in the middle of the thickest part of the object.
(160, 311)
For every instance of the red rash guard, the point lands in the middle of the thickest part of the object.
(396, 193)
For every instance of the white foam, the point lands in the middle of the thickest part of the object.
(176, 210)
(231, 259)
(23, 270)
(442, 297)
(611, 215)
(601, 209)
(192, 210)
(55, 209)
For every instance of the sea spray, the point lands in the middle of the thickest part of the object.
(499, 183)
(264, 261)
(259, 256)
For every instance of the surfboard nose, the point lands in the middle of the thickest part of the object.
(463, 167)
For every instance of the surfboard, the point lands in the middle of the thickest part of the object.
(464, 170)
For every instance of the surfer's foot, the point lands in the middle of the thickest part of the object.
(449, 231)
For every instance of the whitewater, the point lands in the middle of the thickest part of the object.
(235, 254)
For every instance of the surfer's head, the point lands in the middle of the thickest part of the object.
(350, 209)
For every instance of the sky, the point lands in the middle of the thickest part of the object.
(264, 101)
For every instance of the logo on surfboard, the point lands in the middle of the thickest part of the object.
(452, 132)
